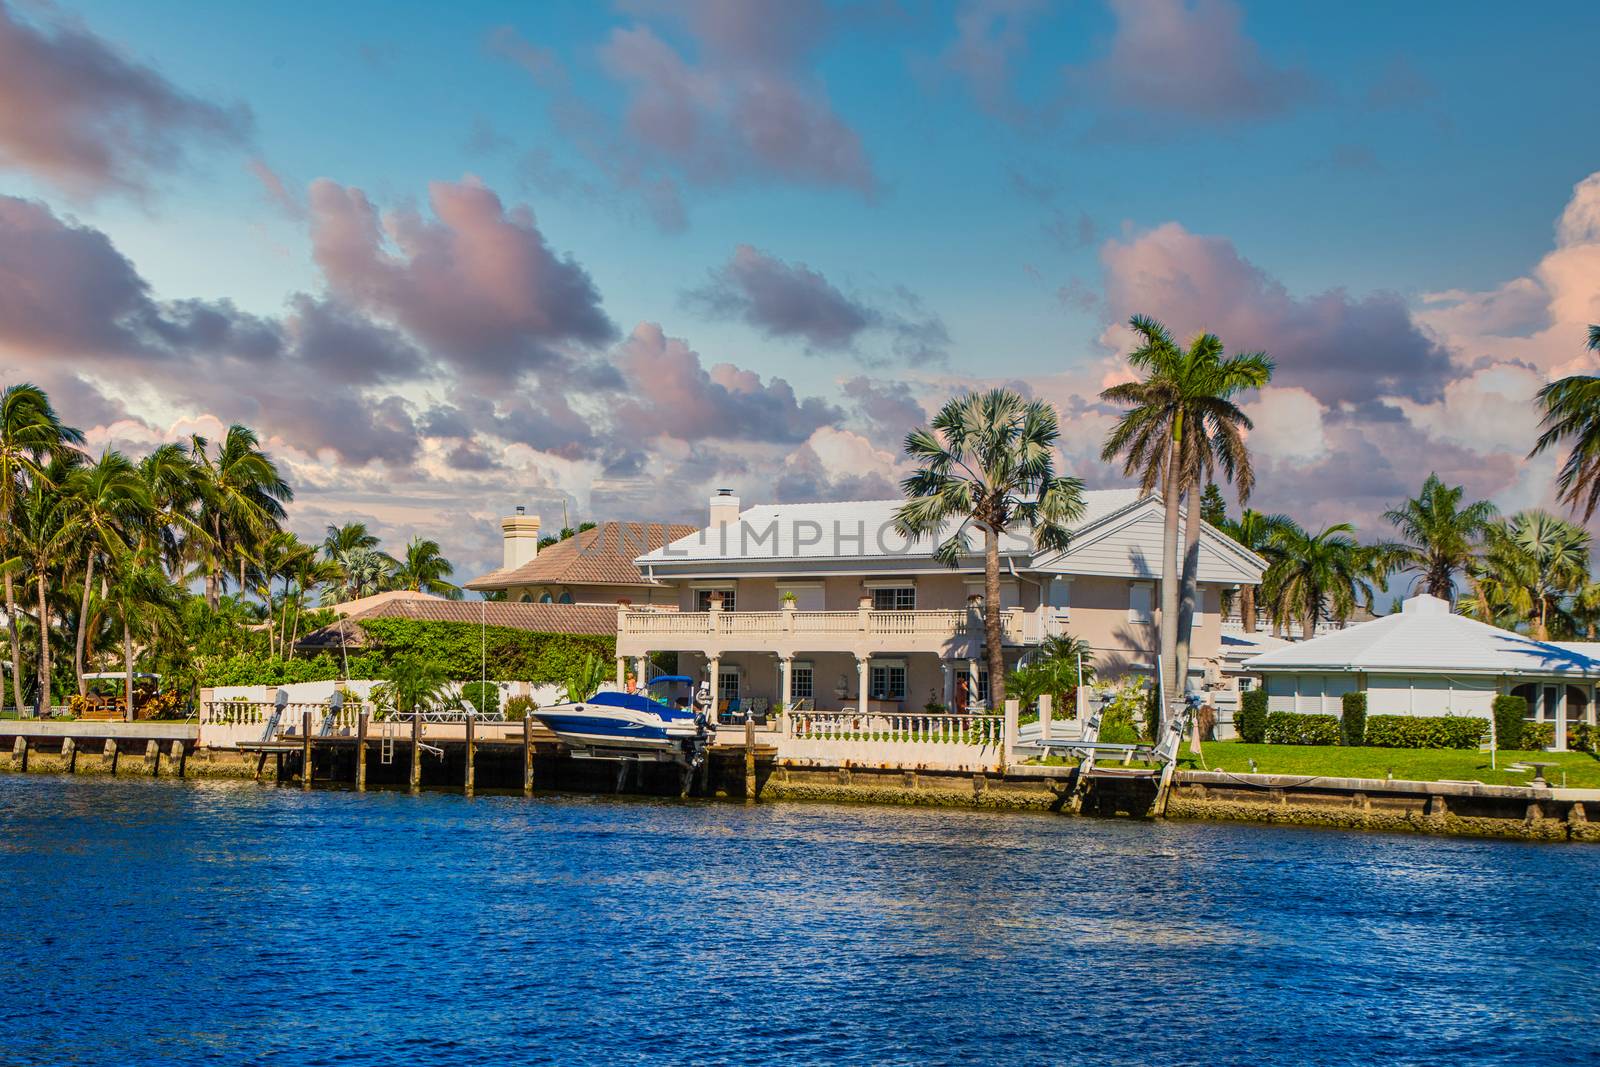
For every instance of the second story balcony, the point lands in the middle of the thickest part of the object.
(952, 633)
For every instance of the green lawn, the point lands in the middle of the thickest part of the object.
(1582, 770)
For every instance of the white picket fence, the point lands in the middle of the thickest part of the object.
(912, 740)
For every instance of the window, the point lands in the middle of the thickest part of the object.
(546, 598)
(524, 598)
(888, 682)
(702, 599)
(566, 598)
(727, 684)
(800, 680)
(895, 598)
(1140, 607)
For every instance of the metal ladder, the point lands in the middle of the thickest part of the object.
(386, 744)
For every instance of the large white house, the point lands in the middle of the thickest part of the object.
(1424, 660)
(827, 603)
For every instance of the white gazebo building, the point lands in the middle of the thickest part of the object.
(1424, 660)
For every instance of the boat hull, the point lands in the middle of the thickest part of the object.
(621, 723)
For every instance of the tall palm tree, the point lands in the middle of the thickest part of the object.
(1311, 577)
(1572, 413)
(354, 552)
(424, 569)
(988, 461)
(144, 602)
(242, 497)
(1182, 424)
(1530, 565)
(172, 532)
(1254, 531)
(30, 434)
(1439, 537)
(45, 535)
(107, 501)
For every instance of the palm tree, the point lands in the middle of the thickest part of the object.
(30, 435)
(988, 461)
(1253, 530)
(144, 602)
(1439, 536)
(1181, 425)
(353, 551)
(414, 684)
(107, 500)
(1315, 576)
(172, 480)
(1530, 565)
(1572, 413)
(424, 569)
(44, 534)
(242, 497)
(1053, 669)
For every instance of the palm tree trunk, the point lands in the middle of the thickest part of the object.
(83, 626)
(1190, 593)
(16, 644)
(1169, 576)
(44, 646)
(1247, 607)
(127, 668)
(283, 622)
(992, 616)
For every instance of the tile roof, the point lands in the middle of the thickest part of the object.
(1425, 638)
(601, 556)
(596, 619)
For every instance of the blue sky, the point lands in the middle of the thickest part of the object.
(992, 186)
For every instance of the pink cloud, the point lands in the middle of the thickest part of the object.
(77, 113)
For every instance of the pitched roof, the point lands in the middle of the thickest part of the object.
(596, 619)
(377, 600)
(850, 529)
(601, 556)
(1425, 638)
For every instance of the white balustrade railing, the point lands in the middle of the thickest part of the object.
(826, 622)
(924, 728)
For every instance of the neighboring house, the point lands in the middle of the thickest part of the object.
(347, 634)
(1424, 660)
(826, 603)
(591, 567)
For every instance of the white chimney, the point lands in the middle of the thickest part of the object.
(724, 508)
(521, 533)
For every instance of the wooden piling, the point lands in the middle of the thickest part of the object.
(749, 758)
(471, 751)
(361, 749)
(181, 755)
(305, 749)
(111, 752)
(19, 753)
(416, 752)
(261, 765)
(69, 753)
(152, 757)
(527, 755)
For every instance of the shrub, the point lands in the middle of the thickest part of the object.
(519, 708)
(1251, 719)
(483, 696)
(1119, 720)
(1537, 736)
(1581, 737)
(1353, 721)
(1509, 715)
(1288, 728)
(1410, 731)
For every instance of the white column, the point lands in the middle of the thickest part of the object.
(973, 704)
(863, 681)
(641, 666)
(622, 672)
(1045, 702)
(1588, 713)
(785, 681)
(714, 665)
(1561, 717)
(948, 669)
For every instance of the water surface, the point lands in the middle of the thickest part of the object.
(227, 923)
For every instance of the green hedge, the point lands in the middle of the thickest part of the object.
(1581, 737)
(1289, 728)
(1537, 736)
(512, 655)
(1410, 731)
(1251, 719)
(1509, 713)
(1353, 720)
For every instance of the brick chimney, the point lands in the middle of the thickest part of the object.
(521, 532)
(724, 508)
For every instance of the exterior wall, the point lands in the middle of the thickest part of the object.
(1391, 694)
(1311, 694)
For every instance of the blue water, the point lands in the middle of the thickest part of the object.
(154, 922)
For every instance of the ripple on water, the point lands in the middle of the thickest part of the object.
(224, 922)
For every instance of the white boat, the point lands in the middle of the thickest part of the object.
(619, 725)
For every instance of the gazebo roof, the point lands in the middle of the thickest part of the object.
(1426, 638)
